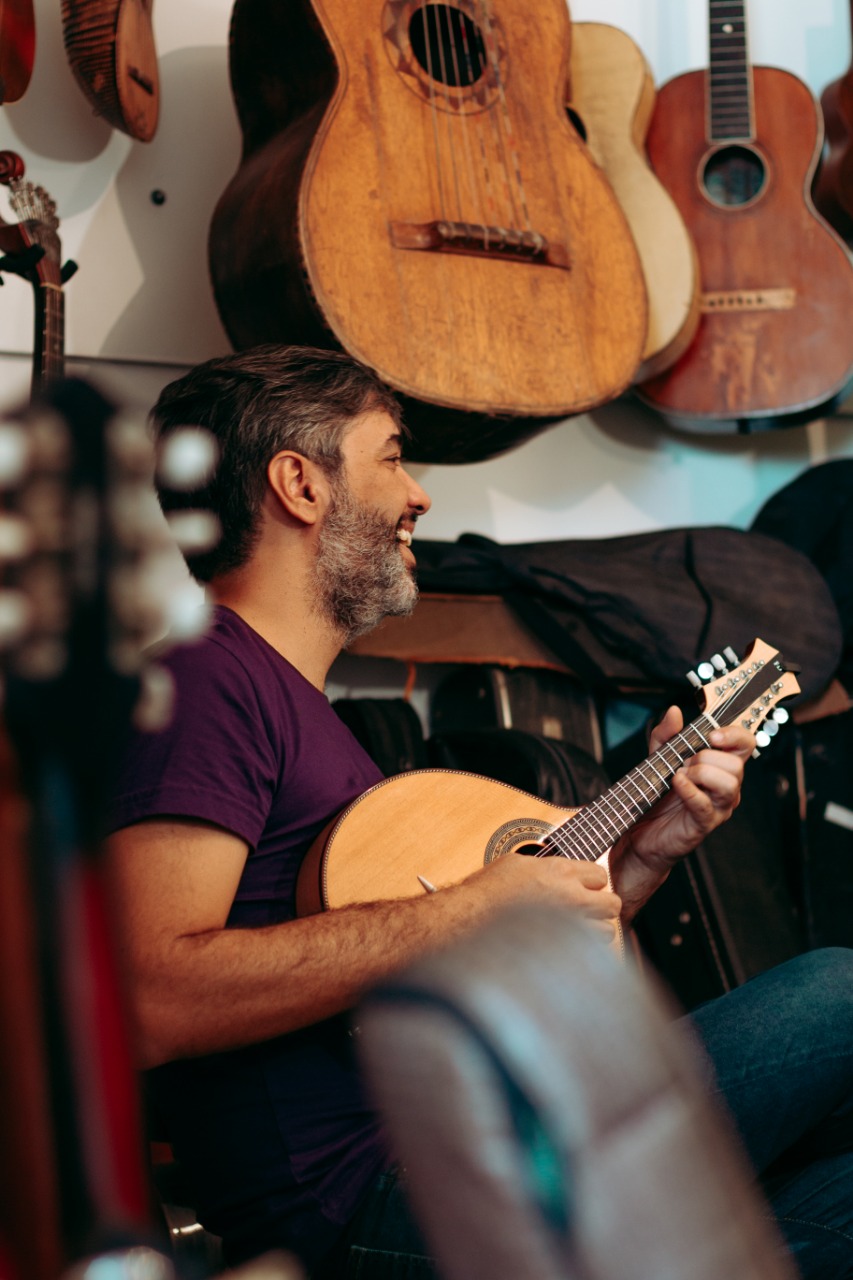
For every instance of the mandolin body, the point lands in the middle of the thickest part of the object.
(352, 163)
(774, 341)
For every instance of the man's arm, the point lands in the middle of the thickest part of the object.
(705, 792)
(197, 987)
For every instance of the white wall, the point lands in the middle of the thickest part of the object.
(141, 308)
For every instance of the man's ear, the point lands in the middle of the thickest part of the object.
(300, 486)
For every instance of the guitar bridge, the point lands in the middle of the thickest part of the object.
(477, 240)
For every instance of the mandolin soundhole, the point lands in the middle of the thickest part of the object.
(733, 176)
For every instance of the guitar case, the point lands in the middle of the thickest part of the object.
(555, 771)
(827, 752)
(551, 704)
(389, 729)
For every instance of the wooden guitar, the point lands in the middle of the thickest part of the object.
(17, 48)
(737, 148)
(612, 96)
(411, 190)
(32, 250)
(111, 49)
(833, 187)
(469, 821)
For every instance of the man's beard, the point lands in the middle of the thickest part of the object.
(360, 574)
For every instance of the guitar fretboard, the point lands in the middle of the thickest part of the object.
(729, 73)
(597, 826)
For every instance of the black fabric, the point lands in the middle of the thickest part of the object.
(640, 611)
(814, 514)
(827, 772)
(554, 771)
(389, 729)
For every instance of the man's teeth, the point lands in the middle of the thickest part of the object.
(403, 535)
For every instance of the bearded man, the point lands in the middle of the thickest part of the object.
(240, 1007)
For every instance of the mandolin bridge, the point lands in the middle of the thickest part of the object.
(473, 238)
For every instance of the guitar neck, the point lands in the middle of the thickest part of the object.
(730, 105)
(49, 339)
(597, 826)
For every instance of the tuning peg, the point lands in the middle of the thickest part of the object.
(762, 739)
(15, 616)
(187, 459)
(16, 537)
(706, 671)
(780, 715)
(771, 728)
(14, 454)
(186, 616)
(718, 662)
(194, 530)
(694, 679)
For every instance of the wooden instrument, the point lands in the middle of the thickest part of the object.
(372, 851)
(32, 249)
(737, 148)
(17, 48)
(411, 190)
(612, 96)
(110, 46)
(833, 187)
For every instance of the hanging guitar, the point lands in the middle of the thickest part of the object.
(473, 820)
(412, 191)
(737, 148)
(111, 50)
(833, 187)
(31, 249)
(80, 533)
(17, 48)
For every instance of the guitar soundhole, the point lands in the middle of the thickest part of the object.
(733, 176)
(448, 46)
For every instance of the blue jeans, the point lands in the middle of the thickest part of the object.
(780, 1052)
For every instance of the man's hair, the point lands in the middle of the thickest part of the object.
(256, 403)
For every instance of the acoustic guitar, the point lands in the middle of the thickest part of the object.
(111, 50)
(32, 250)
(737, 147)
(833, 187)
(612, 96)
(17, 48)
(372, 851)
(411, 189)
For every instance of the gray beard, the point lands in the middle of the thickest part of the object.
(359, 572)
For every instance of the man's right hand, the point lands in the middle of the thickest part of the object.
(582, 886)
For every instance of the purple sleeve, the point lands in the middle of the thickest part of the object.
(216, 761)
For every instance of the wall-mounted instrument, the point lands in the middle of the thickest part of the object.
(31, 249)
(110, 46)
(412, 190)
(833, 188)
(737, 148)
(612, 95)
(17, 48)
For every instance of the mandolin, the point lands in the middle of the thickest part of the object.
(110, 46)
(17, 48)
(411, 190)
(833, 188)
(737, 147)
(474, 820)
(612, 96)
(32, 250)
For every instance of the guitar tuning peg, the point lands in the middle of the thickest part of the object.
(15, 616)
(14, 454)
(187, 458)
(194, 531)
(16, 537)
(706, 671)
(771, 727)
(780, 715)
(694, 679)
(718, 662)
(762, 739)
(731, 655)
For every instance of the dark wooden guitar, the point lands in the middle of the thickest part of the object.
(737, 147)
(111, 49)
(833, 188)
(411, 190)
(32, 250)
(17, 48)
(470, 821)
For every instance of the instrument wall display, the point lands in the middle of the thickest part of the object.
(438, 215)
(17, 48)
(111, 50)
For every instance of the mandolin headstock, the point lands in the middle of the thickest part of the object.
(748, 692)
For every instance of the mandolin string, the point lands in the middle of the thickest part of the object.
(448, 114)
(463, 115)
(497, 136)
(434, 115)
(514, 165)
(474, 75)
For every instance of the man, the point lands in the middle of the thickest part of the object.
(240, 1007)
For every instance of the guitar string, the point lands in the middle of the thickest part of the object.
(494, 116)
(491, 46)
(434, 114)
(466, 140)
(448, 114)
(473, 76)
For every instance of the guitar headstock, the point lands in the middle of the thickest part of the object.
(38, 226)
(748, 692)
(87, 584)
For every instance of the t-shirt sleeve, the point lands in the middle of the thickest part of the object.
(216, 761)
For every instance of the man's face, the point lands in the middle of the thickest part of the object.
(364, 561)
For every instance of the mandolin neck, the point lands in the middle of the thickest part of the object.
(49, 339)
(730, 99)
(595, 828)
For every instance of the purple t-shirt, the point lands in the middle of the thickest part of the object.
(277, 1138)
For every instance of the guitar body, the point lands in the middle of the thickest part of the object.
(613, 93)
(110, 46)
(774, 342)
(833, 188)
(470, 821)
(372, 197)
